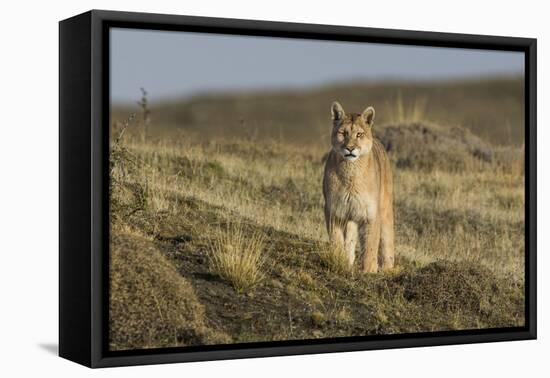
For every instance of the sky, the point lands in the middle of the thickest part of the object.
(172, 64)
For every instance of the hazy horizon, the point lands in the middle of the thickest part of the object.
(173, 65)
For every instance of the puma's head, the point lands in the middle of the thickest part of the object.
(351, 133)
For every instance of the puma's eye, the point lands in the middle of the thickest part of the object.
(360, 135)
(341, 132)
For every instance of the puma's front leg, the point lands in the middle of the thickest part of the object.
(370, 241)
(351, 240)
(336, 235)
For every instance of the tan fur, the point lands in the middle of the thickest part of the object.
(358, 191)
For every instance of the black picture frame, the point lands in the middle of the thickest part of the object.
(83, 182)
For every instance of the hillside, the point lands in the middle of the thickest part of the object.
(180, 200)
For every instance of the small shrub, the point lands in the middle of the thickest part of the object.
(237, 256)
(127, 192)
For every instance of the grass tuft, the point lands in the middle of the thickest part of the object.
(335, 260)
(414, 112)
(237, 256)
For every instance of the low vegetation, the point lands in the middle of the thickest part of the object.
(218, 239)
(237, 256)
(334, 259)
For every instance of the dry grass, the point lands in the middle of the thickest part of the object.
(237, 256)
(413, 112)
(461, 201)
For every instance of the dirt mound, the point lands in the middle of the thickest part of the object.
(151, 304)
(462, 287)
(428, 146)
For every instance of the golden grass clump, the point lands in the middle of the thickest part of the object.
(335, 259)
(414, 112)
(237, 256)
(151, 305)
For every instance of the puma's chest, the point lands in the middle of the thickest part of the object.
(350, 200)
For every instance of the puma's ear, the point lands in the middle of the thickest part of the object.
(337, 111)
(368, 115)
